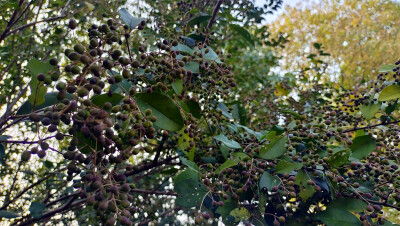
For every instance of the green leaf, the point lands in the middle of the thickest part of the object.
(293, 113)
(275, 148)
(240, 214)
(236, 158)
(337, 217)
(229, 143)
(37, 209)
(194, 108)
(89, 6)
(239, 113)
(211, 55)
(349, 204)
(184, 143)
(224, 150)
(225, 210)
(128, 19)
(389, 93)
(7, 214)
(121, 87)
(37, 89)
(177, 86)
(190, 164)
(100, 100)
(183, 48)
(258, 135)
(225, 110)
(362, 146)
(339, 158)
(49, 100)
(167, 112)
(287, 167)
(198, 20)
(370, 110)
(2, 154)
(38, 67)
(86, 145)
(389, 109)
(243, 32)
(192, 66)
(268, 181)
(387, 68)
(190, 191)
(306, 191)
(4, 137)
(48, 164)
(37, 92)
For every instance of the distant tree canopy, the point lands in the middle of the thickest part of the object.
(360, 36)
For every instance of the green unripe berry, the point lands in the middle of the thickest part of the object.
(148, 112)
(61, 86)
(74, 56)
(118, 78)
(47, 80)
(26, 155)
(55, 76)
(79, 48)
(82, 91)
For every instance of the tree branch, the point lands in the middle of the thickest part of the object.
(33, 23)
(159, 148)
(142, 191)
(215, 12)
(66, 207)
(147, 166)
(370, 126)
(29, 187)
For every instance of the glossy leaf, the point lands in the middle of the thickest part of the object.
(168, 114)
(225, 110)
(49, 100)
(369, 110)
(7, 214)
(183, 48)
(236, 158)
(184, 144)
(229, 143)
(242, 32)
(177, 86)
(38, 90)
(362, 146)
(337, 217)
(198, 20)
(100, 100)
(275, 148)
(240, 213)
(306, 190)
(389, 93)
(190, 191)
(37, 209)
(293, 113)
(128, 19)
(339, 158)
(192, 66)
(268, 181)
(287, 167)
(194, 108)
(387, 68)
